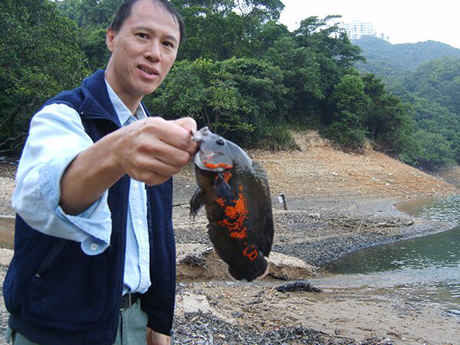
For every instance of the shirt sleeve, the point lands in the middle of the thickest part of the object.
(55, 138)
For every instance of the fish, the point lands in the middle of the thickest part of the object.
(235, 192)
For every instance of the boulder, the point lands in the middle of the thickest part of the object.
(201, 262)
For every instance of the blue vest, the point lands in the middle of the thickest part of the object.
(56, 294)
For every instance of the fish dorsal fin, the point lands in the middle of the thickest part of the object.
(261, 175)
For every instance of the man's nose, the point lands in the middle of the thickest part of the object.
(153, 53)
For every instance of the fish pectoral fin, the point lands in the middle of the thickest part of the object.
(223, 189)
(196, 202)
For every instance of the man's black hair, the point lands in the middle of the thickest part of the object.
(125, 10)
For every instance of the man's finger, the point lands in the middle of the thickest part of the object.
(187, 123)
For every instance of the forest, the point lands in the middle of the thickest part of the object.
(426, 76)
(240, 72)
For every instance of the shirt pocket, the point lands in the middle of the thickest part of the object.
(50, 257)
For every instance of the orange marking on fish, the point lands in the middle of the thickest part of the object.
(252, 255)
(227, 175)
(221, 202)
(235, 216)
(237, 211)
(215, 166)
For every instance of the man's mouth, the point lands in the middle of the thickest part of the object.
(147, 70)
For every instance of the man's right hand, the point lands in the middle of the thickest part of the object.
(151, 151)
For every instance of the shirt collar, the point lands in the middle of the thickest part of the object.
(124, 114)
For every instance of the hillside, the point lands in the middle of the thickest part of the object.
(319, 170)
(404, 57)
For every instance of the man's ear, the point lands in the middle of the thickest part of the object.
(109, 38)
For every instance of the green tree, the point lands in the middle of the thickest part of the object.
(438, 81)
(241, 98)
(260, 10)
(388, 121)
(329, 41)
(220, 30)
(93, 13)
(91, 41)
(39, 57)
(269, 33)
(352, 108)
(435, 151)
(92, 17)
(301, 76)
(433, 92)
(213, 35)
(334, 55)
(433, 118)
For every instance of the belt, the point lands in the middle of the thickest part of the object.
(128, 300)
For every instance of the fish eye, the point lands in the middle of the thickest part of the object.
(220, 142)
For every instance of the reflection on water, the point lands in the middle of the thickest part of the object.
(435, 251)
(426, 268)
(445, 209)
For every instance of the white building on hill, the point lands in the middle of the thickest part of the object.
(356, 29)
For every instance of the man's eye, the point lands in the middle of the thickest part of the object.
(168, 44)
(142, 35)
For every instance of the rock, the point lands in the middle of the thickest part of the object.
(289, 268)
(193, 303)
(199, 261)
(296, 287)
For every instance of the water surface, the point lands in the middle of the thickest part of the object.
(425, 268)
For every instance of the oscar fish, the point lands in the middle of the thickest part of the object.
(236, 195)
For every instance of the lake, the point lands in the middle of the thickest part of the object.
(425, 269)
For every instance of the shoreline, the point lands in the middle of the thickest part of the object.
(372, 222)
(310, 225)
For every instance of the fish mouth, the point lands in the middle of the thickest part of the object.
(256, 272)
(198, 136)
(209, 156)
(212, 161)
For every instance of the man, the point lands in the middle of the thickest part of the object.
(94, 255)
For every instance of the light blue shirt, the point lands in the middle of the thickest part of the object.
(55, 138)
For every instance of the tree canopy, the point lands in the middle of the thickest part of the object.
(430, 87)
(39, 58)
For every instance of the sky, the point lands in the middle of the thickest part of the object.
(400, 21)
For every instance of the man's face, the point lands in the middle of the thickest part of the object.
(143, 51)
